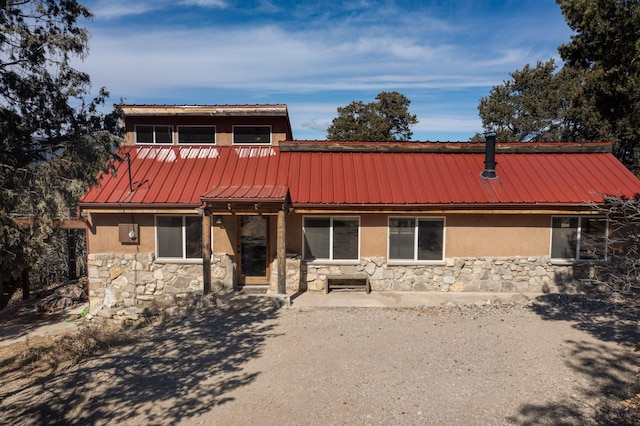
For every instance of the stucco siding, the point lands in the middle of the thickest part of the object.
(497, 235)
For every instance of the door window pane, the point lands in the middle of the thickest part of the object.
(253, 246)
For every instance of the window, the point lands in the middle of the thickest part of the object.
(579, 238)
(179, 237)
(331, 238)
(154, 134)
(197, 134)
(252, 135)
(416, 239)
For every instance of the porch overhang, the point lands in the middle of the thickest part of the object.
(258, 199)
(233, 199)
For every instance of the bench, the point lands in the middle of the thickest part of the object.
(353, 277)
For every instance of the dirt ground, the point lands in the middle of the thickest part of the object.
(560, 360)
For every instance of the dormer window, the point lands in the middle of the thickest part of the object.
(197, 135)
(148, 134)
(255, 135)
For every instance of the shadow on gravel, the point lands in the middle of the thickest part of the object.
(610, 370)
(171, 375)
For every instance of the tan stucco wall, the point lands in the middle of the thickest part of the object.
(466, 235)
(102, 234)
(294, 234)
(373, 238)
(224, 126)
(497, 235)
(224, 235)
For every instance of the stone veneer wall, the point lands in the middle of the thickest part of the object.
(137, 279)
(489, 274)
(293, 275)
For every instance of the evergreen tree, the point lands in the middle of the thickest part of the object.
(53, 141)
(594, 96)
(388, 119)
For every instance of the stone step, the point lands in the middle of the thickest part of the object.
(253, 289)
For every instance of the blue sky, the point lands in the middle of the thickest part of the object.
(315, 56)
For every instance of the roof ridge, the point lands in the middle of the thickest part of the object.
(444, 147)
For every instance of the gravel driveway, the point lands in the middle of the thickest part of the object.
(560, 360)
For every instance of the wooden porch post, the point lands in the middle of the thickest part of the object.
(26, 287)
(71, 250)
(206, 252)
(282, 260)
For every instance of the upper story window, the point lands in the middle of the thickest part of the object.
(416, 239)
(154, 134)
(252, 135)
(197, 134)
(331, 238)
(578, 238)
(178, 237)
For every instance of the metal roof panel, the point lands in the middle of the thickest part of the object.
(185, 175)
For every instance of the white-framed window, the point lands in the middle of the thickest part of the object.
(331, 238)
(154, 134)
(579, 238)
(197, 135)
(178, 237)
(252, 135)
(416, 239)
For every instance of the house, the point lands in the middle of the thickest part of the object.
(218, 198)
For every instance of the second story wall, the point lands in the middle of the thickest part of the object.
(219, 125)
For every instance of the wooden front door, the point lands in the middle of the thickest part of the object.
(254, 250)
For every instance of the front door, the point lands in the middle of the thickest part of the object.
(254, 250)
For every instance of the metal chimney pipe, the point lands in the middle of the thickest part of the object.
(489, 171)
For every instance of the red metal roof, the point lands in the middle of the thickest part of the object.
(170, 176)
(365, 178)
(234, 193)
(180, 175)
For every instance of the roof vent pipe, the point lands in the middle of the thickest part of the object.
(489, 171)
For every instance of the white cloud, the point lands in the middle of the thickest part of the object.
(270, 58)
(330, 61)
(117, 9)
(447, 123)
(114, 9)
(205, 3)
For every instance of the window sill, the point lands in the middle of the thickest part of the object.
(164, 260)
(416, 263)
(155, 143)
(569, 262)
(332, 262)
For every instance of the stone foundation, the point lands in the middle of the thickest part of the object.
(128, 280)
(489, 274)
(293, 275)
(118, 282)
